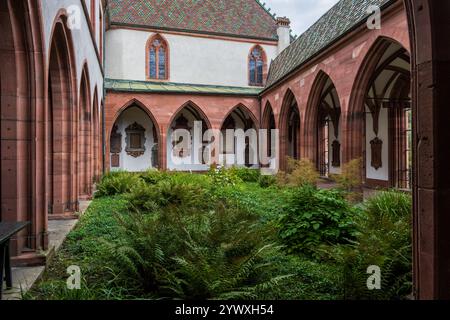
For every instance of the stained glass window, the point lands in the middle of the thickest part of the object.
(152, 63)
(158, 59)
(162, 63)
(256, 67)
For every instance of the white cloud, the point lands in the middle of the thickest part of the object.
(302, 13)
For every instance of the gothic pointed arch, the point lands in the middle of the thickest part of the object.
(85, 128)
(289, 124)
(379, 119)
(235, 150)
(134, 139)
(323, 125)
(62, 122)
(22, 102)
(269, 124)
(185, 139)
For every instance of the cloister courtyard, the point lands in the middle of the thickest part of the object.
(235, 234)
(199, 150)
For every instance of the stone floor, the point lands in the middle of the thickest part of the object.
(25, 277)
(328, 184)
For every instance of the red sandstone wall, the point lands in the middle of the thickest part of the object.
(162, 108)
(342, 64)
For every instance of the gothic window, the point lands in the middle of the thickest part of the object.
(256, 63)
(135, 140)
(157, 59)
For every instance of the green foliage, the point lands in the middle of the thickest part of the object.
(246, 174)
(189, 254)
(313, 217)
(154, 176)
(350, 178)
(167, 193)
(85, 247)
(310, 280)
(383, 239)
(117, 182)
(266, 181)
(299, 173)
(213, 236)
(224, 177)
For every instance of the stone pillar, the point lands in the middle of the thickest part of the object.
(429, 28)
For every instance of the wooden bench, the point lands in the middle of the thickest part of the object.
(7, 231)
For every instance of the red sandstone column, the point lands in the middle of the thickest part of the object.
(431, 94)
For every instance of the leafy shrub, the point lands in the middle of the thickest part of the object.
(266, 181)
(187, 254)
(299, 173)
(384, 240)
(223, 177)
(167, 193)
(313, 217)
(154, 176)
(117, 182)
(350, 178)
(246, 174)
(311, 280)
(199, 179)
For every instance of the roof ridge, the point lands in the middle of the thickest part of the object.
(267, 10)
(316, 22)
(320, 35)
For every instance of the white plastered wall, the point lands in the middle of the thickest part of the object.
(128, 162)
(196, 60)
(383, 134)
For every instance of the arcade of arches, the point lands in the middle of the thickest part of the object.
(50, 124)
(354, 100)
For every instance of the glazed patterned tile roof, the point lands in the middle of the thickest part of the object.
(242, 18)
(339, 20)
(171, 87)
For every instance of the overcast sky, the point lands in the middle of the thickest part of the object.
(302, 13)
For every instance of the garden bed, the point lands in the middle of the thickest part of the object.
(231, 234)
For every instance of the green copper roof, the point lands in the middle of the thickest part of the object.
(242, 18)
(171, 87)
(339, 20)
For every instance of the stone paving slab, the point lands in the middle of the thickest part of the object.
(23, 280)
(25, 277)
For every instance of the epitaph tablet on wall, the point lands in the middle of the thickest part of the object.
(376, 148)
(135, 140)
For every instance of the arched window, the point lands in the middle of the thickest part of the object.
(157, 59)
(256, 66)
